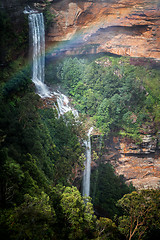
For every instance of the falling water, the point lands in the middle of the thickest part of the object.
(63, 105)
(37, 36)
(87, 170)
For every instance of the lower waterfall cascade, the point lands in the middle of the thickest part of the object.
(63, 105)
(87, 170)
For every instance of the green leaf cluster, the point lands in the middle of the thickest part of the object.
(141, 214)
(14, 38)
(120, 97)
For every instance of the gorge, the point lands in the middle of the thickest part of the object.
(101, 58)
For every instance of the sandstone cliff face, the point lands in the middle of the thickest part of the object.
(118, 26)
(140, 164)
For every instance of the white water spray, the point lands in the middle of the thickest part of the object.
(87, 170)
(37, 36)
(63, 105)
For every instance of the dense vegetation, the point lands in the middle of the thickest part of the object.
(118, 96)
(107, 189)
(39, 152)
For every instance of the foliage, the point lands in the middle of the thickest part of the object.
(39, 151)
(70, 72)
(107, 229)
(48, 15)
(9, 31)
(78, 214)
(33, 151)
(67, 148)
(119, 96)
(11, 177)
(141, 211)
(18, 83)
(107, 189)
(32, 219)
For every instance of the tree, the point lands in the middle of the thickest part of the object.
(107, 229)
(32, 219)
(104, 120)
(11, 177)
(78, 214)
(106, 189)
(142, 211)
(70, 72)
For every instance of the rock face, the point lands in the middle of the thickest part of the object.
(140, 164)
(117, 26)
(120, 27)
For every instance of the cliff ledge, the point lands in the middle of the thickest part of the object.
(120, 27)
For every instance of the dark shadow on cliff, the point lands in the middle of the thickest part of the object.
(107, 187)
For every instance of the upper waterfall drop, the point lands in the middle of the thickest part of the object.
(37, 36)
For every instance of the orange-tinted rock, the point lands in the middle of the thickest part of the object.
(140, 164)
(48, 102)
(121, 27)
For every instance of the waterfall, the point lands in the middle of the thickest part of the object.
(87, 170)
(37, 37)
(63, 105)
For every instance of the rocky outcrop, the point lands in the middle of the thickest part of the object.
(121, 27)
(139, 163)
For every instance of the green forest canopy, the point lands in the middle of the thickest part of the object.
(117, 95)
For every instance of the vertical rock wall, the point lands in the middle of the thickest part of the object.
(139, 163)
(121, 27)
